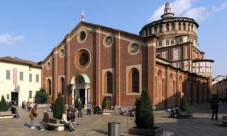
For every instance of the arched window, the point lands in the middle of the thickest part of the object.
(160, 28)
(167, 27)
(173, 26)
(155, 29)
(135, 80)
(49, 87)
(62, 87)
(109, 82)
(184, 26)
(179, 26)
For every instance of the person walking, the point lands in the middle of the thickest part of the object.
(33, 114)
(214, 108)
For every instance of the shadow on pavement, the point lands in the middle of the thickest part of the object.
(101, 131)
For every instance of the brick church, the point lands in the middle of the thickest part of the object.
(95, 62)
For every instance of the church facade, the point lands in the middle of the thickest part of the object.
(100, 64)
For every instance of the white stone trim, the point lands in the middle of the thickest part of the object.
(111, 70)
(59, 80)
(139, 68)
(50, 77)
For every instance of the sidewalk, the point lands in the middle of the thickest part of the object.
(97, 125)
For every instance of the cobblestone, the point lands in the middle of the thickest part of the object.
(97, 125)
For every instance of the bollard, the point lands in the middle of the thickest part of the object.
(110, 129)
(117, 127)
(114, 129)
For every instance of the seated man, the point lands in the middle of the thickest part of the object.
(178, 111)
(96, 109)
(46, 119)
(15, 112)
(71, 117)
(172, 111)
(68, 125)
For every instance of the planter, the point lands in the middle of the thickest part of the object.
(156, 131)
(55, 121)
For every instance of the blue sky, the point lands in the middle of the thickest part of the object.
(30, 29)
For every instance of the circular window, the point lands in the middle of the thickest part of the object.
(108, 41)
(82, 36)
(134, 48)
(48, 66)
(62, 53)
(82, 59)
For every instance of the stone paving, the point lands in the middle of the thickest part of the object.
(97, 125)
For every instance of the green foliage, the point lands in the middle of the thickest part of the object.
(144, 111)
(41, 96)
(3, 104)
(104, 103)
(184, 105)
(59, 107)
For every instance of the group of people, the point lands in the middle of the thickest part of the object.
(27, 105)
(68, 119)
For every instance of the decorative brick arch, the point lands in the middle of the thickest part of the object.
(159, 86)
(170, 87)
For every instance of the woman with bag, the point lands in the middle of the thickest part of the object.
(33, 114)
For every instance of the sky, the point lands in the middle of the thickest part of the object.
(30, 29)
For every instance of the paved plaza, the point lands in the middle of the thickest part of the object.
(97, 125)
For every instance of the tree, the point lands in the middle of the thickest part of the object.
(41, 96)
(3, 104)
(144, 111)
(184, 105)
(59, 107)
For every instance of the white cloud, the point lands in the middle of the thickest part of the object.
(182, 8)
(222, 7)
(199, 14)
(10, 39)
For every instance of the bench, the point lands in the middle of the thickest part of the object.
(185, 116)
(7, 116)
(57, 127)
(224, 121)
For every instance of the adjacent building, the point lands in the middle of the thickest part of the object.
(219, 87)
(19, 79)
(97, 63)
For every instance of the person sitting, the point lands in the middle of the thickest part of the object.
(46, 119)
(172, 111)
(71, 117)
(175, 111)
(178, 111)
(96, 109)
(68, 125)
(52, 107)
(15, 112)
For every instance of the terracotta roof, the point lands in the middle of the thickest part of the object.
(16, 60)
